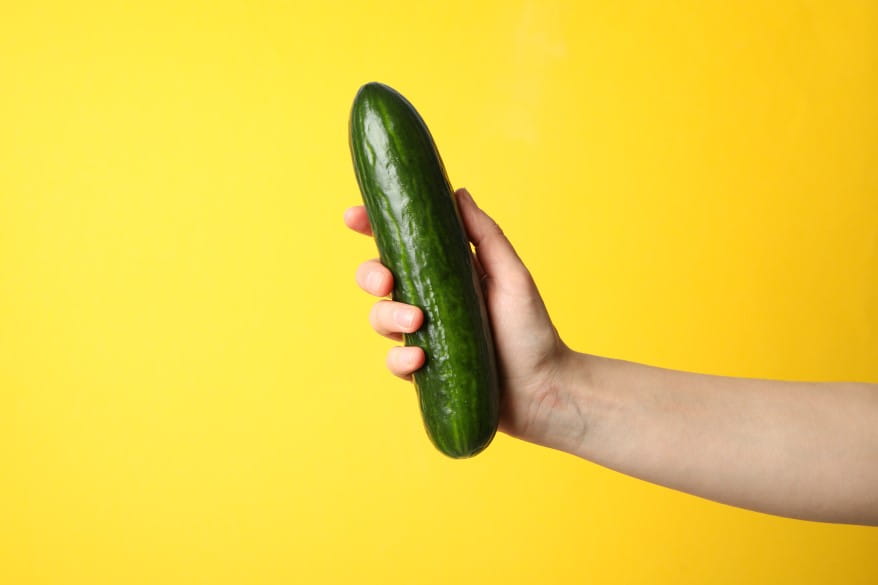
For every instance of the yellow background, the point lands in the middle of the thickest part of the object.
(189, 390)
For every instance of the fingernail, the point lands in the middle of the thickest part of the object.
(404, 318)
(465, 193)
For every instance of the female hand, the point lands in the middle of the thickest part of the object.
(795, 449)
(529, 351)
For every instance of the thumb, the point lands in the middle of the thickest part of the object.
(493, 249)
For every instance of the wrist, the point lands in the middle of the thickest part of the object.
(577, 393)
(561, 414)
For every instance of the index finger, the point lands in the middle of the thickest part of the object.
(356, 219)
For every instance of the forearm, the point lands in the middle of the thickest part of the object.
(806, 450)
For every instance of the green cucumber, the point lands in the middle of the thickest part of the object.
(421, 239)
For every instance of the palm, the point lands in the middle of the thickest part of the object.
(527, 348)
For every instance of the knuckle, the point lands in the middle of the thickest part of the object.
(393, 360)
(375, 315)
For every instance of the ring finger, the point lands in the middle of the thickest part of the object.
(392, 319)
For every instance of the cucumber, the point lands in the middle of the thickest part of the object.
(420, 238)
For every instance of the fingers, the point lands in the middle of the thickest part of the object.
(356, 219)
(374, 278)
(392, 319)
(388, 318)
(403, 361)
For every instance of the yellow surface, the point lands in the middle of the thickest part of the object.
(189, 391)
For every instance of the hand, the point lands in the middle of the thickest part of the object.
(795, 449)
(529, 351)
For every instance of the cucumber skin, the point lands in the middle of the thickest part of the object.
(420, 238)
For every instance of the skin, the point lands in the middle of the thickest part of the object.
(796, 449)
